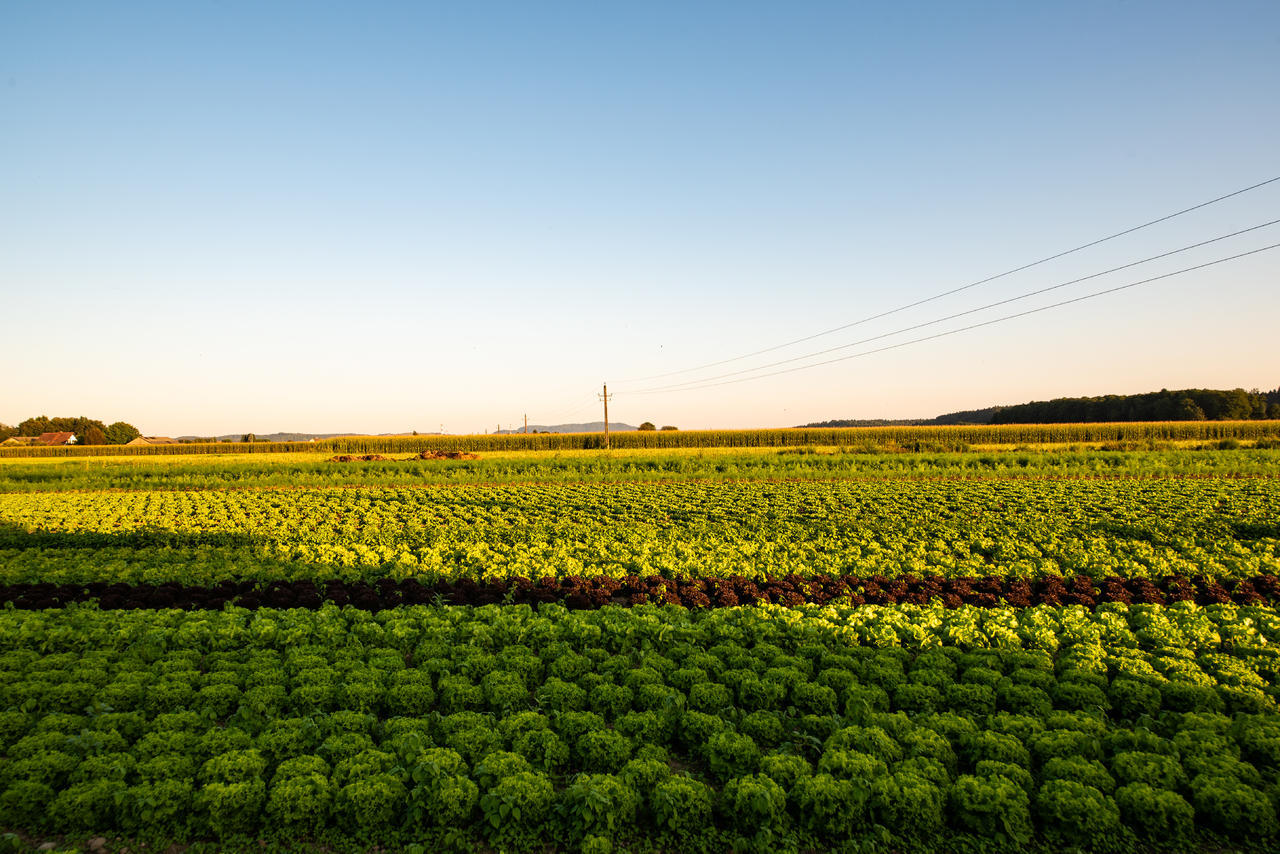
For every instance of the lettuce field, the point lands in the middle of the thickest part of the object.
(801, 649)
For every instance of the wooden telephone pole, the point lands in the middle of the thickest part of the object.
(605, 397)
(526, 423)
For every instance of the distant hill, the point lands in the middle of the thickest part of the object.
(1191, 404)
(288, 437)
(591, 427)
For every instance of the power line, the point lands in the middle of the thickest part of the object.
(675, 386)
(591, 404)
(971, 326)
(963, 287)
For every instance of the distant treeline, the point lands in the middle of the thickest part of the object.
(88, 431)
(1192, 404)
(968, 416)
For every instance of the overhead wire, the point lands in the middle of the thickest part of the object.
(996, 304)
(939, 296)
(984, 323)
(560, 419)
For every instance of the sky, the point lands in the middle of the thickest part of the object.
(221, 217)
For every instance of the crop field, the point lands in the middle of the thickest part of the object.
(810, 648)
(954, 437)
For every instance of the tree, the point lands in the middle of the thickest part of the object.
(82, 427)
(1188, 410)
(6, 431)
(648, 425)
(35, 426)
(248, 437)
(44, 424)
(669, 427)
(122, 433)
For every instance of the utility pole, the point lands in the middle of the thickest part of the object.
(526, 422)
(605, 397)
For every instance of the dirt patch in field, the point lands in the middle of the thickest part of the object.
(446, 455)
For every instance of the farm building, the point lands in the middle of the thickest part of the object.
(63, 438)
(153, 440)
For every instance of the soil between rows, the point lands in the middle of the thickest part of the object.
(596, 591)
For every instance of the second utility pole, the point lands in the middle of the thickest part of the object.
(605, 398)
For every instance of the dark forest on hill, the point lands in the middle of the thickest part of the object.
(1192, 404)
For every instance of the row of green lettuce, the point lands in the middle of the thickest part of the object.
(204, 472)
(1134, 527)
(761, 727)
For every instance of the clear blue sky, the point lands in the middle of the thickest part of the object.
(220, 217)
